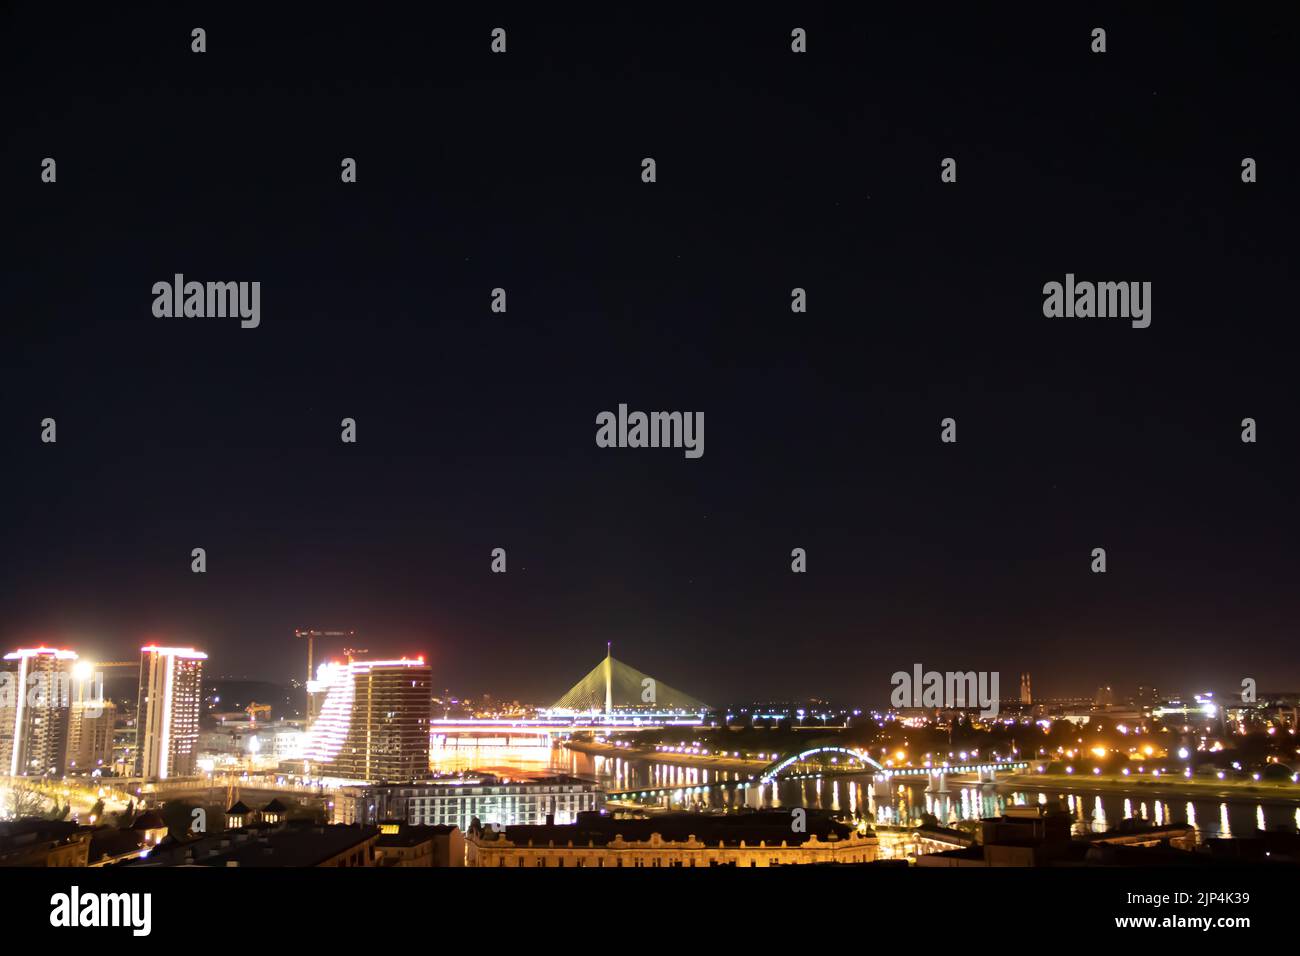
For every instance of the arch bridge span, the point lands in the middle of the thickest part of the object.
(774, 769)
(793, 766)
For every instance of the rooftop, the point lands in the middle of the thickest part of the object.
(408, 835)
(770, 826)
(288, 845)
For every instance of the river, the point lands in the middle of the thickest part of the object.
(1092, 810)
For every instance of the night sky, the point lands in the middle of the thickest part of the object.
(476, 430)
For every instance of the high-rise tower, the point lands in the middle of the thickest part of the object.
(34, 713)
(374, 722)
(167, 717)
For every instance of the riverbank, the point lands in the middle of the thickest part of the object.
(733, 764)
(1171, 786)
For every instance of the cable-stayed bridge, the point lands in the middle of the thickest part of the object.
(612, 696)
(612, 687)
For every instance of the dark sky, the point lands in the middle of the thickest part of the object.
(476, 430)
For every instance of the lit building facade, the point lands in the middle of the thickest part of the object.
(167, 717)
(419, 846)
(44, 843)
(374, 722)
(459, 801)
(90, 735)
(35, 704)
(673, 840)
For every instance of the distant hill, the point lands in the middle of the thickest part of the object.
(236, 693)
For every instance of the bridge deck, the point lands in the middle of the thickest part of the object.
(855, 772)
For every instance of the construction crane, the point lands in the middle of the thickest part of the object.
(254, 709)
(311, 636)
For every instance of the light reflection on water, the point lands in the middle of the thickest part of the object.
(1091, 811)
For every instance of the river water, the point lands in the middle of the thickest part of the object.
(1093, 811)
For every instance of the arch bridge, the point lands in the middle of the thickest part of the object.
(829, 759)
(815, 758)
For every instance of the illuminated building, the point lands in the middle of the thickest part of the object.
(232, 741)
(327, 673)
(90, 721)
(167, 718)
(149, 828)
(1033, 836)
(1199, 707)
(34, 708)
(298, 844)
(44, 843)
(90, 735)
(374, 722)
(318, 686)
(758, 839)
(403, 845)
(461, 800)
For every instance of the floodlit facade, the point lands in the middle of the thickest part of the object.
(35, 703)
(374, 722)
(674, 840)
(167, 717)
(459, 801)
(90, 735)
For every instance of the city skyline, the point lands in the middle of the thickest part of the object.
(477, 429)
(791, 447)
(330, 667)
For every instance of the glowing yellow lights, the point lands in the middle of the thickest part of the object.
(1099, 751)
